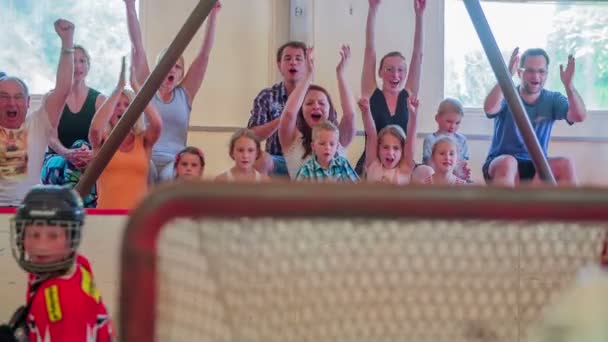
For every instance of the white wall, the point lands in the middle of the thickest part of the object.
(101, 245)
(331, 23)
(242, 60)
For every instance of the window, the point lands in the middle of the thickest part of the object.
(30, 46)
(561, 28)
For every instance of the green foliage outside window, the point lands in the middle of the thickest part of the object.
(580, 29)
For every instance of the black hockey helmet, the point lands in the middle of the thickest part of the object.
(48, 205)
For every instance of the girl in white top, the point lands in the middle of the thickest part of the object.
(245, 149)
(390, 153)
(310, 104)
(444, 158)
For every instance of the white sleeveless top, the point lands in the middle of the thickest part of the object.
(377, 173)
(454, 180)
(293, 155)
(230, 176)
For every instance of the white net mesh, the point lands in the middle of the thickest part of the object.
(309, 279)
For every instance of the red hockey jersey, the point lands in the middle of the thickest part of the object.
(69, 308)
(31, 278)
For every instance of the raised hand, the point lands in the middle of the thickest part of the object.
(216, 9)
(419, 6)
(133, 80)
(310, 62)
(344, 58)
(568, 74)
(363, 104)
(121, 77)
(130, 5)
(65, 31)
(514, 61)
(412, 104)
(374, 3)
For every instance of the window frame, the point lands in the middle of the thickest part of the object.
(588, 131)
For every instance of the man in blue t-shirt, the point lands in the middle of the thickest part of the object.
(508, 160)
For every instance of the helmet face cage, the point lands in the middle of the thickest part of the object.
(17, 236)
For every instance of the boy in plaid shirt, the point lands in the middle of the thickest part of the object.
(326, 164)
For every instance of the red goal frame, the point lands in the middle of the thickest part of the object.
(213, 200)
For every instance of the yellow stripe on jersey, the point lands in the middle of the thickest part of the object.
(88, 285)
(53, 307)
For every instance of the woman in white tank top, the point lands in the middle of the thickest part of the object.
(309, 105)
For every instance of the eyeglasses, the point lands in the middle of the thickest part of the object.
(7, 96)
(541, 72)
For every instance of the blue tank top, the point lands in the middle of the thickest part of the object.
(176, 117)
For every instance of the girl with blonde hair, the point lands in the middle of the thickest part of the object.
(124, 181)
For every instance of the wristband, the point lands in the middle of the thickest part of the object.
(67, 51)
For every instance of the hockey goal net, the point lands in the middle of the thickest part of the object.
(217, 262)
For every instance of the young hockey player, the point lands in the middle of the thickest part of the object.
(63, 303)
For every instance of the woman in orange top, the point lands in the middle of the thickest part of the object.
(124, 181)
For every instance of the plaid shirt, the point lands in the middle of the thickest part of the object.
(267, 106)
(339, 171)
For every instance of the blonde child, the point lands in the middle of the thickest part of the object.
(245, 149)
(390, 153)
(326, 164)
(444, 157)
(189, 164)
(449, 116)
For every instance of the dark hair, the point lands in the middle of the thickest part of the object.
(533, 52)
(192, 150)
(245, 132)
(305, 129)
(293, 44)
(390, 54)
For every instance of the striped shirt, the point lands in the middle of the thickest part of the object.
(339, 170)
(267, 106)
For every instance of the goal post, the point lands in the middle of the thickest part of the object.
(330, 262)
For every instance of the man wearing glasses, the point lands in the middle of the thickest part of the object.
(508, 161)
(24, 137)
